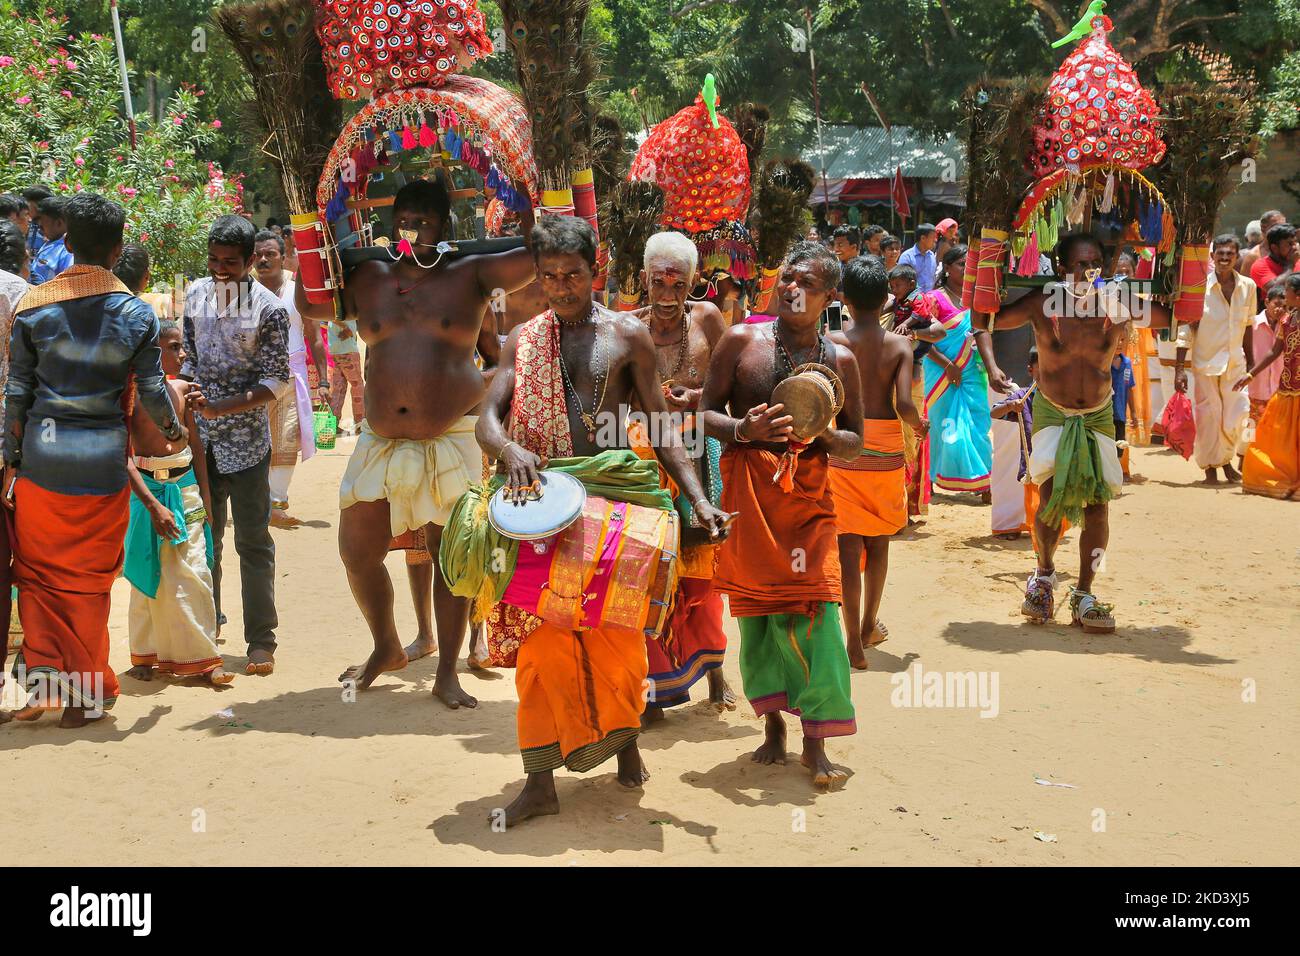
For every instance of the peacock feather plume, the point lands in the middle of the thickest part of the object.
(781, 208)
(629, 219)
(555, 66)
(295, 115)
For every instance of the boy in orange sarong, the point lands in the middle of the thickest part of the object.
(581, 693)
(781, 565)
(1272, 464)
(870, 494)
(76, 342)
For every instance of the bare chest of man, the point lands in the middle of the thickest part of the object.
(420, 371)
(683, 362)
(1075, 357)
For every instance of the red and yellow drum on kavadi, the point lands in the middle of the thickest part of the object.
(587, 562)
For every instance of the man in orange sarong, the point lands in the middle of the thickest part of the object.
(565, 377)
(1272, 464)
(870, 496)
(781, 565)
(76, 342)
(685, 333)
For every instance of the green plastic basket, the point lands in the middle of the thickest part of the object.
(326, 427)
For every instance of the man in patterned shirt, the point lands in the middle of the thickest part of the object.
(237, 342)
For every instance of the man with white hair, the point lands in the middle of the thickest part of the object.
(684, 334)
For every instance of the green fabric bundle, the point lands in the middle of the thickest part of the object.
(1079, 480)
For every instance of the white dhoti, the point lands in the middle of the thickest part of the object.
(1220, 415)
(420, 478)
(175, 631)
(1004, 481)
(1047, 441)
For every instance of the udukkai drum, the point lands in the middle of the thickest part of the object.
(813, 395)
(616, 566)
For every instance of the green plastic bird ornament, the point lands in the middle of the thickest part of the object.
(1084, 26)
(710, 96)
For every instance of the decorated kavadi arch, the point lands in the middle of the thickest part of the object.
(405, 58)
(1092, 150)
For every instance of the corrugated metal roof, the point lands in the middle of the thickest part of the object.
(868, 152)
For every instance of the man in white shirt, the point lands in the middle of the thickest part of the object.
(292, 431)
(1220, 349)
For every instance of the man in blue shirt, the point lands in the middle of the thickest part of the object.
(921, 256)
(77, 342)
(53, 257)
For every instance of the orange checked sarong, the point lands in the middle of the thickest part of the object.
(68, 551)
(870, 491)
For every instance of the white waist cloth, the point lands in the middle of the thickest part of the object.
(420, 478)
(178, 460)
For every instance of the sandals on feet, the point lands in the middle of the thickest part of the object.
(1039, 605)
(1090, 614)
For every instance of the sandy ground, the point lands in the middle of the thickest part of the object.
(1170, 764)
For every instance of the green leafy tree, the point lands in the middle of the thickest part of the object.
(62, 124)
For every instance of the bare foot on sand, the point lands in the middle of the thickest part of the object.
(857, 655)
(260, 662)
(1231, 473)
(721, 695)
(74, 717)
(446, 687)
(773, 748)
(219, 677)
(537, 799)
(141, 672)
(653, 715)
(631, 770)
(824, 773)
(422, 646)
(363, 675)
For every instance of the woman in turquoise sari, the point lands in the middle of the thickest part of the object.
(956, 389)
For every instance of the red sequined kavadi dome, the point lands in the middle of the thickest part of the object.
(1096, 112)
(703, 171)
(372, 46)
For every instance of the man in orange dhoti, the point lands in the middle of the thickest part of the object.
(781, 566)
(565, 376)
(76, 341)
(870, 497)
